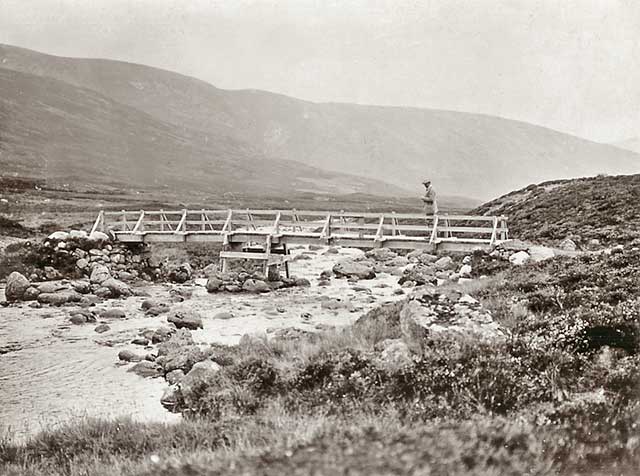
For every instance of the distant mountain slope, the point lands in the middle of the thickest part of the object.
(465, 154)
(66, 134)
(632, 144)
(602, 208)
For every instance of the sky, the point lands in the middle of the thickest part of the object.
(572, 65)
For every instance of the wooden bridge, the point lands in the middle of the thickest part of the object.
(265, 234)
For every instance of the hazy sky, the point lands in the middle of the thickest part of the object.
(573, 65)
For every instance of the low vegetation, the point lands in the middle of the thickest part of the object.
(559, 396)
(599, 208)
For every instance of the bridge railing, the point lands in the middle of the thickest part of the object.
(306, 224)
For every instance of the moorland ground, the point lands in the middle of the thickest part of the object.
(558, 395)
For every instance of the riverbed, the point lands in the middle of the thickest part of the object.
(53, 372)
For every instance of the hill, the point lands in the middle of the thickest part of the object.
(52, 130)
(601, 208)
(632, 144)
(464, 154)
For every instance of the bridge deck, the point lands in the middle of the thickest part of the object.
(285, 227)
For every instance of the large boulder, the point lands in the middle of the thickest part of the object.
(58, 236)
(78, 234)
(185, 319)
(540, 253)
(17, 285)
(255, 286)
(349, 268)
(117, 287)
(170, 398)
(431, 314)
(98, 236)
(519, 258)
(214, 284)
(381, 254)
(147, 369)
(419, 274)
(445, 263)
(202, 373)
(60, 298)
(181, 274)
(99, 274)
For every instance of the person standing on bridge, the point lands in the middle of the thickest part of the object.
(429, 199)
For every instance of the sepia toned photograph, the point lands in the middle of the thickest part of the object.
(319, 237)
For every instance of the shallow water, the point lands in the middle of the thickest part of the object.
(57, 372)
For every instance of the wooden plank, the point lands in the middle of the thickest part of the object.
(243, 255)
(326, 229)
(380, 231)
(138, 226)
(99, 220)
(180, 226)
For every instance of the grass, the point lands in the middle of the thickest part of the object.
(559, 397)
(540, 403)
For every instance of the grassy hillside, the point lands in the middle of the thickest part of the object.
(52, 130)
(602, 208)
(465, 154)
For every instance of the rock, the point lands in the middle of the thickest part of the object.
(209, 270)
(224, 315)
(78, 234)
(99, 274)
(147, 369)
(162, 334)
(174, 377)
(117, 288)
(254, 286)
(432, 314)
(81, 316)
(82, 287)
(50, 287)
(101, 328)
(78, 319)
(104, 293)
(181, 274)
(57, 299)
(335, 304)
(419, 274)
(51, 273)
(396, 354)
(125, 276)
(302, 282)
(58, 236)
(568, 245)
(465, 271)
(31, 294)
(381, 254)
(348, 269)
(129, 356)
(98, 236)
(399, 261)
(519, 258)
(140, 341)
(185, 319)
(112, 314)
(445, 263)
(16, 286)
(540, 253)
(513, 245)
(594, 244)
(170, 398)
(332, 251)
(214, 284)
(200, 375)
